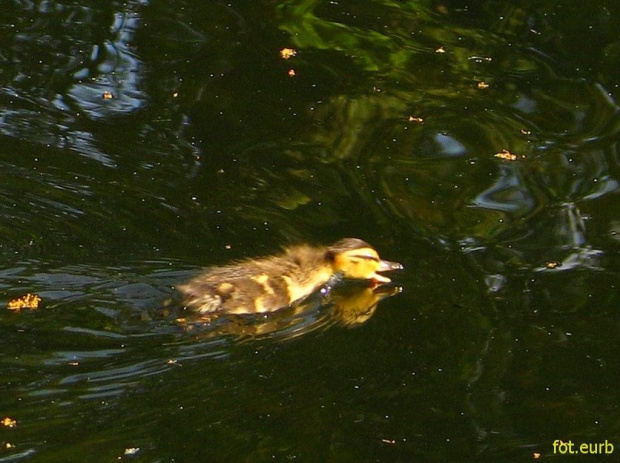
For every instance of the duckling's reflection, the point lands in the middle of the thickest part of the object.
(353, 304)
(350, 304)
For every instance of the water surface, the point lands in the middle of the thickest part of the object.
(142, 141)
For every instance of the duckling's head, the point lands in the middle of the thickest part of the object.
(355, 258)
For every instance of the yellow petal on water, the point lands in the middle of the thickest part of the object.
(107, 95)
(29, 301)
(8, 422)
(287, 53)
(419, 120)
(483, 85)
(440, 50)
(291, 73)
(506, 155)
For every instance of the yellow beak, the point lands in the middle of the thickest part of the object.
(386, 266)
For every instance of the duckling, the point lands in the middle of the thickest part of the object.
(271, 283)
(349, 305)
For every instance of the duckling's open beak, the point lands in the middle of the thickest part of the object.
(386, 266)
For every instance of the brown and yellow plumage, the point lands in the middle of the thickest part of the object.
(271, 283)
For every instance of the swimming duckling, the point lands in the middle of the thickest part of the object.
(271, 283)
(350, 305)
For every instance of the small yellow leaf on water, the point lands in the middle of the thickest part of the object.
(506, 155)
(416, 119)
(483, 85)
(287, 53)
(291, 72)
(132, 451)
(8, 445)
(107, 95)
(536, 455)
(29, 301)
(440, 50)
(553, 264)
(526, 132)
(8, 422)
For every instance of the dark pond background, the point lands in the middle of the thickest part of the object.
(143, 140)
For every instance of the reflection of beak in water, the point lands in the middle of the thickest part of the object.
(350, 304)
(355, 304)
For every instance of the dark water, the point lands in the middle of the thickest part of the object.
(143, 140)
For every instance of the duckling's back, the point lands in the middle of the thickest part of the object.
(258, 286)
